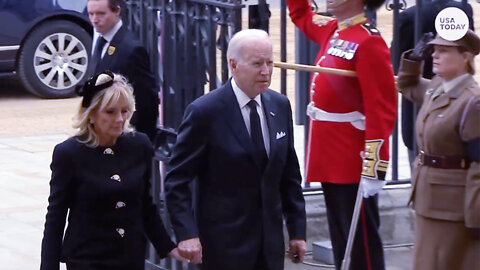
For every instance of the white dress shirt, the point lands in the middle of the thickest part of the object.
(108, 37)
(243, 99)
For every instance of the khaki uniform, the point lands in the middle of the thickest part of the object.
(446, 201)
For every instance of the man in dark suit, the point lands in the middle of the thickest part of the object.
(116, 49)
(237, 141)
(406, 42)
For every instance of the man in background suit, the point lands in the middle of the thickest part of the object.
(429, 11)
(116, 49)
(237, 141)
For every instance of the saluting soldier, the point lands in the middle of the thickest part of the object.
(446, 179)
(351, 119)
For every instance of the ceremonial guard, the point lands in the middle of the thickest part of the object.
(351, 119)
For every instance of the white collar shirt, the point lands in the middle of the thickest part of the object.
(243, 100)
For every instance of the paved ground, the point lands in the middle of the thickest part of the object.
(24, 191)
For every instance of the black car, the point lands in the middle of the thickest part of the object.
(47, 43)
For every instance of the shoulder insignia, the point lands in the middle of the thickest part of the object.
(321, 20)
(371, 29)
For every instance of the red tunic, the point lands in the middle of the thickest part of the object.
(334, 148)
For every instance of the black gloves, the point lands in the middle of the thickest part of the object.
(422, 49)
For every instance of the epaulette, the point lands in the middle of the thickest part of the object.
(321, 20)
(371, 28)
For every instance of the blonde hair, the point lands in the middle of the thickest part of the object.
(103, 99)
(471, 66)
(471, 59)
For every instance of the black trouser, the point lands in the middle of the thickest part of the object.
(367, 250)
(261, 262)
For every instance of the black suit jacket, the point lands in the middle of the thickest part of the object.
(130, 59)
(240, 209)
(406, 42)
(102, 207)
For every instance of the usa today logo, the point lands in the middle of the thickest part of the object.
(451, 23)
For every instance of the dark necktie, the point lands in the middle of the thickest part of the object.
(256, 134)
(97, 53)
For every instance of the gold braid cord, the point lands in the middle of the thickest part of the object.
(371, 160)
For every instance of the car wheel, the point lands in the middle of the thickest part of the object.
(54, 59)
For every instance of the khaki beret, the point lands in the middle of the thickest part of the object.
(470, 42)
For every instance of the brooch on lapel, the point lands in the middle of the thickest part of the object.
(111, 50)
(108, 151)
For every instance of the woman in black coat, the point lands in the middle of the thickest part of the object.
(100, 178)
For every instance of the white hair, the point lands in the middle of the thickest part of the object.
(238, 41)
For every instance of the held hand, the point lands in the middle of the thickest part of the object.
(176, 255)
(191, 249)
(370, 187)
(297, 249)
(422, 50)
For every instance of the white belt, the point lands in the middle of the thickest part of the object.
(357, 119)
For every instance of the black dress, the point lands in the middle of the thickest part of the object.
(105, 191)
